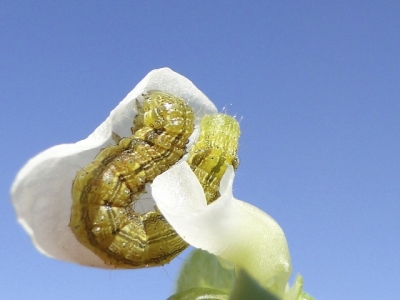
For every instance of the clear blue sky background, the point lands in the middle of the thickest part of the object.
(318, 87)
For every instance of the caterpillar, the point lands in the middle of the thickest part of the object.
(103, 192)
(102, 217)
(214, 151)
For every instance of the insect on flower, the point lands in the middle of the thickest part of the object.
(103, 192)
(102, 214)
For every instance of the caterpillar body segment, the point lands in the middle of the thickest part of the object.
(214, 151)
(103, 192)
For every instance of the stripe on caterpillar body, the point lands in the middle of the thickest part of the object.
(102, 217)
(214, 151)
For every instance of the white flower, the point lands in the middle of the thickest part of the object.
(41, 191)
(237, 232)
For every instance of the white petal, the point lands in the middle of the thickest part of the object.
(229, 228)
(41, 192)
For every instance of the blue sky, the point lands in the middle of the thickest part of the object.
(317, 85)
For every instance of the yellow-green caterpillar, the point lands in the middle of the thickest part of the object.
(102, 217)
(214, 151)
(103, 192)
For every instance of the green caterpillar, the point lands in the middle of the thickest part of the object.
(214, 151)
(103, 192)
(102, 217)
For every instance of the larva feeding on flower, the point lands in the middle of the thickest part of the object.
(102, 214)
(103, 192)
(214, 151)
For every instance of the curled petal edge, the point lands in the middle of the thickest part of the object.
(233, 230)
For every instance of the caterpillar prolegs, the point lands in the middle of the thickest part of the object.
(103, 192)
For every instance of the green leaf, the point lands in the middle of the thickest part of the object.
(247, 288)
(200, 293)
(203, 269)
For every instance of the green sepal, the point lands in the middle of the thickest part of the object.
(247, 288)
(198, 293)
(203, 269)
